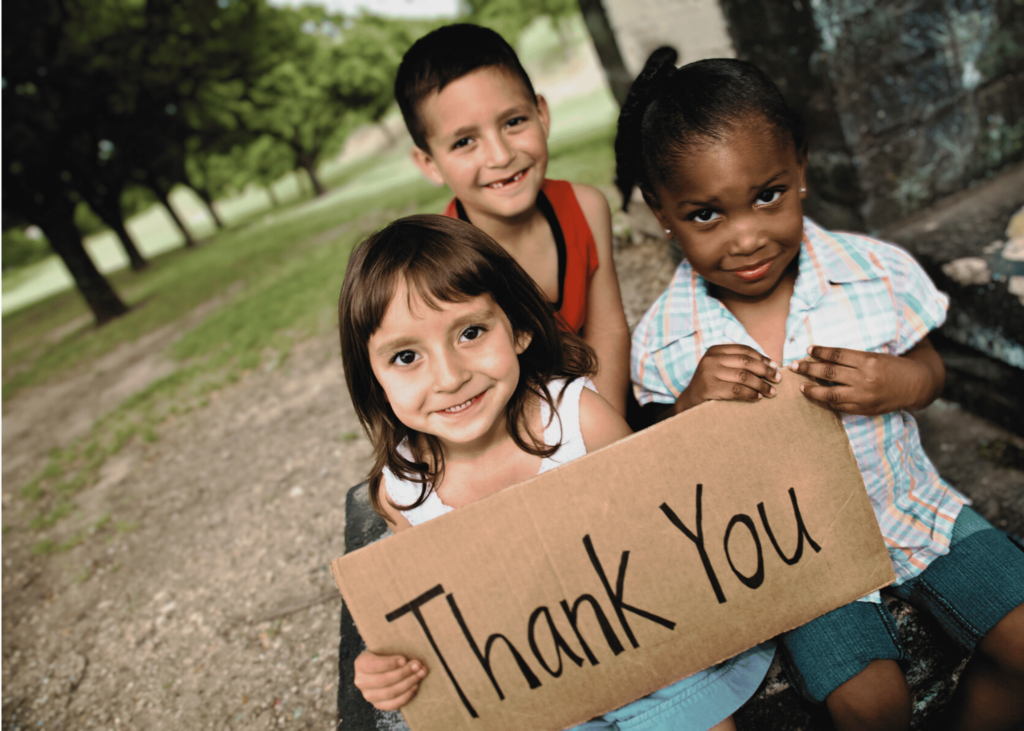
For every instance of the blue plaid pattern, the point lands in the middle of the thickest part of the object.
(851, 292)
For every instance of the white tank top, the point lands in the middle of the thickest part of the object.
(565, 430)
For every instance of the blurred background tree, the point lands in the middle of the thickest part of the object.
(109, 105)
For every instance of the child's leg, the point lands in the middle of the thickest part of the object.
(976, 592)
(726, 725)
(847, 659)
(875, 698)
(991, 691)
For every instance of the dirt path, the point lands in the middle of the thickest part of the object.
(205, 600)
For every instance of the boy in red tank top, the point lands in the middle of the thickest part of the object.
(480, 129)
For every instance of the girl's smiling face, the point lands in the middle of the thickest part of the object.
(735, 205)
(447, 369)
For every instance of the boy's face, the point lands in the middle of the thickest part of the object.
(488, 143)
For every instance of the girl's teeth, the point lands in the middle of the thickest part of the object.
(460, 407)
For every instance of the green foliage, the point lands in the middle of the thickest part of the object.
(19, 250)
(511, 17)
(327, 81)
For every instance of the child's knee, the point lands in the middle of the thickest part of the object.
(1004, 644)
(877, 698)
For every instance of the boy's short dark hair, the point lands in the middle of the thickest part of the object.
(442, 56)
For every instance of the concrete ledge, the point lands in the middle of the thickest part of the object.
(932, 670)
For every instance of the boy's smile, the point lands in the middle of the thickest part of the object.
(735, 205)
(447, 369)
(488, 143)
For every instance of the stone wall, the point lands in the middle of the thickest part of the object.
(907, 100)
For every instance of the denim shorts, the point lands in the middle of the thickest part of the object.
(968, 591)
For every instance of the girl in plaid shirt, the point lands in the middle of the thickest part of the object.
(721, 160)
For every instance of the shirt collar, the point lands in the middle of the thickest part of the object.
(826, 258)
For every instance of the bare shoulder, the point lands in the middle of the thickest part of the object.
(600, 423)
(594, 205)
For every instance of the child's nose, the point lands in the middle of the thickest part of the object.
(748, 237)
(499, 152)
(449, 372)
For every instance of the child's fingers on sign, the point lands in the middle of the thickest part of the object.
(387, 681)
(836, 364)
(743, 372)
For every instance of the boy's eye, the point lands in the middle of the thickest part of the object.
(769, 196)
(705, 215)
(462, 143)
(404, 357)
(515, 121)
(472, 333)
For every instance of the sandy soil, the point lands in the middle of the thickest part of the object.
(206, 602)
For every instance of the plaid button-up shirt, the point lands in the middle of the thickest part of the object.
(851, 292)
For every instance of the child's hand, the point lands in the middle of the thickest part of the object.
(871, 384)
(388, 682)
(730, 372)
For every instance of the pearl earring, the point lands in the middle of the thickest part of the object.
(803, 190)
(668, 232)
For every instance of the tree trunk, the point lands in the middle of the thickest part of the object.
(205, 196)
(163, 198)
(58, 224)
(619, 78)
(310, 168)
(274, 202)
(108, 208)
(135, 258)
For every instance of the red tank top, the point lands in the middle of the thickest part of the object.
(577, 252)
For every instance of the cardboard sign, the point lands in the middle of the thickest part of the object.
(617, 574)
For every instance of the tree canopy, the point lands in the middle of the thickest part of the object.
(101, 96)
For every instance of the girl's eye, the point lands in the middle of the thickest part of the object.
(404, 357)
(472, 333)
(769, 196)
(705, 215)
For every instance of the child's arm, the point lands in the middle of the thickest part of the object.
(605, 329)
(388, 682)
(600, 423)
(870, 384)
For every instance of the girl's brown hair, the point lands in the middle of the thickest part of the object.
(445, 260)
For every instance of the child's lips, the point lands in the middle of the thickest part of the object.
(753, 272)
(499, 184)
(461, 408)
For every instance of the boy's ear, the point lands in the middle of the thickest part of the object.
(544, 113)
(523, 341)
(427, 166)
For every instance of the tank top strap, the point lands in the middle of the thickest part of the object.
(564, 427)
(403, 492)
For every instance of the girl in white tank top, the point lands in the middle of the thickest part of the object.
(466, 386)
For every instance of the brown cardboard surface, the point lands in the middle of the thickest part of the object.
(608, 530)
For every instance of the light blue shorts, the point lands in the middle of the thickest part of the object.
(696, 703)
